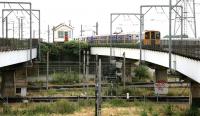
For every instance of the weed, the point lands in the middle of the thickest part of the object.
(6, 109)
(118, 103)
(168, 110)
(193, 111)
(64, 106)
(85, 103)
(143, 113)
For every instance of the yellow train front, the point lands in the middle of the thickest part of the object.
(151, 38)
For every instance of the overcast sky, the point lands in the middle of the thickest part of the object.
(88, 12)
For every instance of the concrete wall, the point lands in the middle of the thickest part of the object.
(8, 58)
(186, 66)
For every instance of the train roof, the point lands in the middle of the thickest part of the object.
(151, 31)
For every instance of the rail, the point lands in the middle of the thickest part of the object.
(174, 99)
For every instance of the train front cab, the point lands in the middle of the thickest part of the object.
(151, 38)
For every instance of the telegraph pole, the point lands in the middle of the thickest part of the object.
(87, 69)
(47, 77)
(170, 47)
(141, 29)
(13, 29)
(98, 87)
(124, 70)
(87, 65)
(81, 30)
(84, 77)
(21, 28)
(53, 33)
(33, 33)
(97, 28)
(6, 27)
(48, 33)
(84, 64)
(2, 25)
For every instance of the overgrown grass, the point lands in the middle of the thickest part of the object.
(65, 78)
(132, 91)
(119, 103)
(59, 107)
(6, 109)
(64, 92)
(168, 110)
(193, 111)
(178, 92)
(143, 113)
(64, 107)
(86, 103)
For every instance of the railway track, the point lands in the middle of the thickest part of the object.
(136, 85)
(174, 99)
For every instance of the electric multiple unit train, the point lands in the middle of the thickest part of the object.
(149, 37)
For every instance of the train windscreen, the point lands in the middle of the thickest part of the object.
(153, 35)
(158, 35)
(147, 35)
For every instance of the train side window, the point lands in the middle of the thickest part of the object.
(152, 35)
(147, 36)
(158, 35)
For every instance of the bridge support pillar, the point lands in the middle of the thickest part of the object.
(8, 83)
(195, 94)
(14, 82)
(160, 74)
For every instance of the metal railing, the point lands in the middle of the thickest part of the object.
(10, 44)
(187, 48)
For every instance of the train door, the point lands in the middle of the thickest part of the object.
(153, 38)
(147, 38)
(157, 38)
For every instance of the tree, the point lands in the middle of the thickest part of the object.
(142, 72)
(58, 51)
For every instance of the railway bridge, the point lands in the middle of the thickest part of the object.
(15, 56)
(185, 59)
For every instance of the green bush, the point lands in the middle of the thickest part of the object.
(141, 72)
(61, 50)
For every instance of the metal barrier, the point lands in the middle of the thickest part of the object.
(187, 48)
(10, 44)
